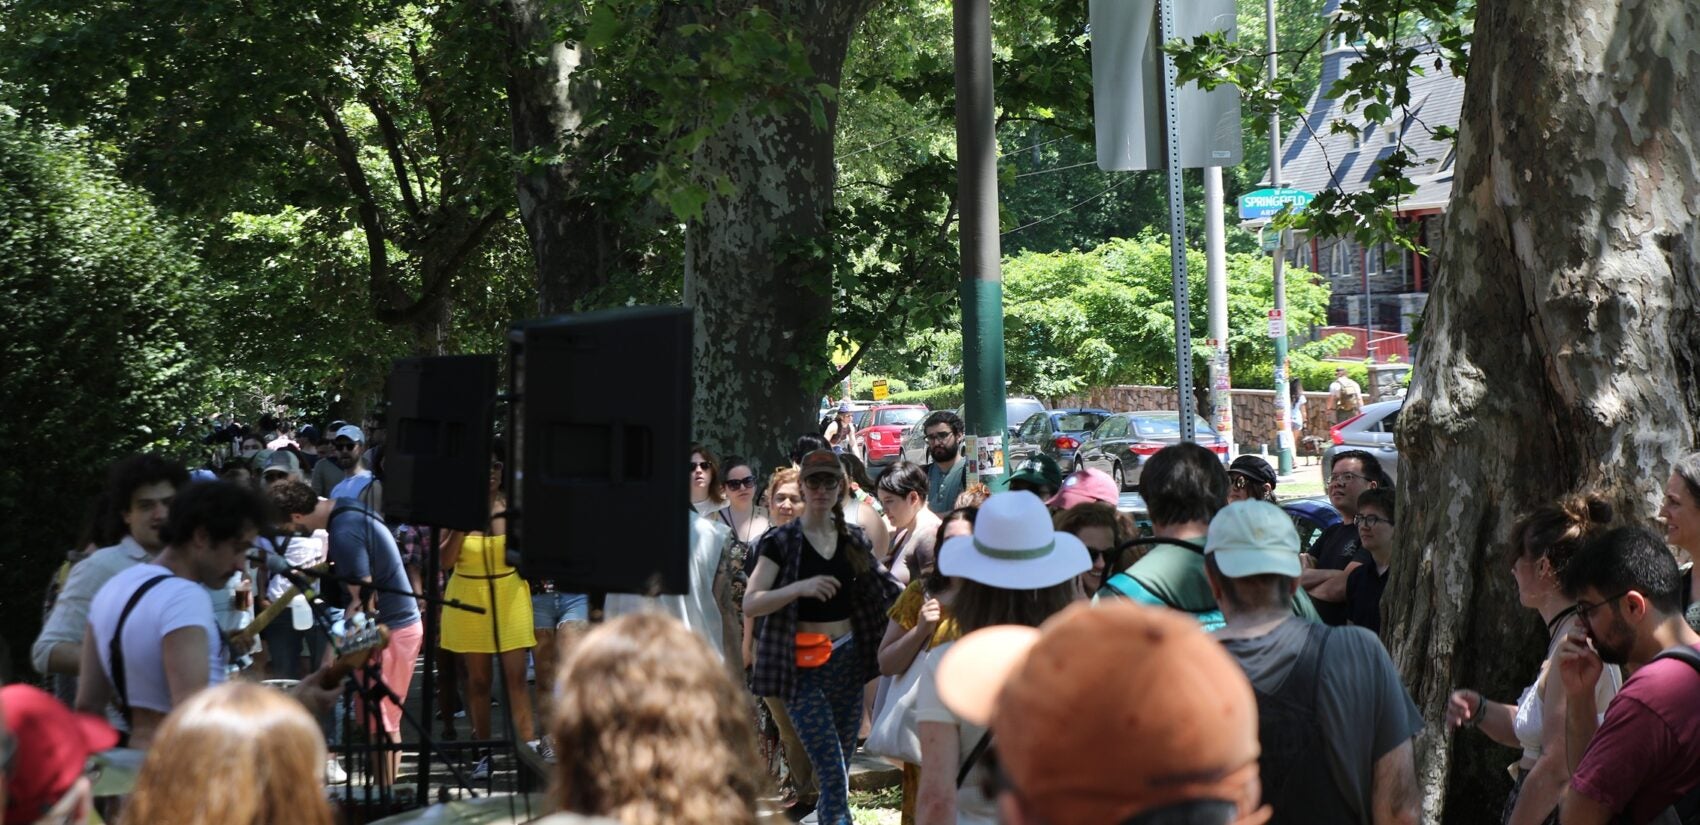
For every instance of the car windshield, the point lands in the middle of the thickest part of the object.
(1017, 410)
(859, 418)
(1168, 425)
(1079, 422)
(900, 416)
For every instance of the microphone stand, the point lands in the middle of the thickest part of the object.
(374, 691)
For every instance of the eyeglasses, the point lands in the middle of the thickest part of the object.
(344, 446)
(1347, 478)
(1584, 608)
(699, 465)
(1371, 521)
(748, 482)
(820, 482)
(274, 475)
(1096, 553)
(944, 436)
(1238, 481)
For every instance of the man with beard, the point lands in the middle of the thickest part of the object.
(945, 476)
(139, 490)
(152, 639)
(1645, 755)
(347, 443)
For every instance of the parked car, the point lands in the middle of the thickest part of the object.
(1056, 433)
(1371, 431)
(1016, 410)
(1122, 442)
(882, 435)
(1311, 516)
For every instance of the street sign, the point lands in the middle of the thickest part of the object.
(1129, 95)
(880, 389)
(1262, 204)
(1269, 237)
(1277, 324)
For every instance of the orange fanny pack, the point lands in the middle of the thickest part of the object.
(813, 649)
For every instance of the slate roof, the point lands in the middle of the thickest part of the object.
(1314, 160)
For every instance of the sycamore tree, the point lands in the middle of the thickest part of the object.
(1559, 347)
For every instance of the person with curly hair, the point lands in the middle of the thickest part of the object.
(650, 729)
(236, 754)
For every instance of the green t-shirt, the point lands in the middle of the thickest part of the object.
(943, 488)
(1173, 576)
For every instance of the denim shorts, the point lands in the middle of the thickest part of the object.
(551, 610)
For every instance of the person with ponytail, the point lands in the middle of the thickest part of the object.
(819, 599)
(1542, 543)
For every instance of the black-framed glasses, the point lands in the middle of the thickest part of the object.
(1371, 521)
(820, 482)
(699, 465)
(741, 483)
(1584, 608)
(1096, 553)
(944, 436)
(1347, 477)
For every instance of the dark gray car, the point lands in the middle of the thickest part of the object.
(1122, 443)
(1056, 433)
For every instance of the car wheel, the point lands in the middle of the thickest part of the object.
(1120, 477)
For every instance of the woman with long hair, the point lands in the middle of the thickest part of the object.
(921, 619)
(821, 600)
(483, 577)
(1542, 543)
(235, 754)
(708, 492)
(1102, 529)
(861, 509)
(1014, 569)
(651, 730)
(747, 521)
(1680, 512)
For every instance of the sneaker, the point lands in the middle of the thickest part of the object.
(481, 771)
(812, 819)
(334, 774)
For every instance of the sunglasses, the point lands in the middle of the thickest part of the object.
(273, 475)
(747, 482)
(699, 465)
(819, 482)
(344, 446)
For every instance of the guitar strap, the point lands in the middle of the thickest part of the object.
(115, 650)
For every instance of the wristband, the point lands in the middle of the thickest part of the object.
(1476, 713)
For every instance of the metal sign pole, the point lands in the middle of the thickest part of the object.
(1177, 229)
(1283, 400)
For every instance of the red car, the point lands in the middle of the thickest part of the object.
(882, 426)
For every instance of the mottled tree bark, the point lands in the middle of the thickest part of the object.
(762, 307)
(1561, 344)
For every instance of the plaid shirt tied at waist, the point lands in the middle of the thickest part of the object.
(871, 595)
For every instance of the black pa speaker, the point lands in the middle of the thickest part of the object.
(601, 430)
(437, 456)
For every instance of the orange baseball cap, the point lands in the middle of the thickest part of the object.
(1107, 712)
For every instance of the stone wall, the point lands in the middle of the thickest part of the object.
(1254, 411)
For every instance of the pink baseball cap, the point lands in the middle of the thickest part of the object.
(1086, 485)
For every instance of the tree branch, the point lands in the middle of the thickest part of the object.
(393, 143)
(371, 220)
(440, 276)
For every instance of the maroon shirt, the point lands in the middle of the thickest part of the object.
(1646, 754)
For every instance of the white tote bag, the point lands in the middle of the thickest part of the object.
(895, 735)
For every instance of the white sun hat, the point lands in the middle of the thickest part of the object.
(1014, 547)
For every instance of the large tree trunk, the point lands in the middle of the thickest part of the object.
(1561, 344)
(762, 304)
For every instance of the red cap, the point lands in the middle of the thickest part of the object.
(53, 746)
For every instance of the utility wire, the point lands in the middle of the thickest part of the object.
(1057, 169)
(1113, 186)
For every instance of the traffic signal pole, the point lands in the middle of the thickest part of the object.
(977, 196)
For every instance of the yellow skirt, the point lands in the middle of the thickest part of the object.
(506, 623)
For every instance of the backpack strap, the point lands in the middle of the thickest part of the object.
(973, 757)
(115, 650)
(1687, 808)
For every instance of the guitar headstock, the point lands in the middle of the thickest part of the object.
(353, 650)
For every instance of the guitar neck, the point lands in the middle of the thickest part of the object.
(241, 638)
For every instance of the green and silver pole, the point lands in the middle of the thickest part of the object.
(1283, 401)
(977, 193)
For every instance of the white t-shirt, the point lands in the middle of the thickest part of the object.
(696, 609)
(972, 806)
(172, 604)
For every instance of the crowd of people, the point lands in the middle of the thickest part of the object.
(1030, 656)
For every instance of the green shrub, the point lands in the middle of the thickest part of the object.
(937, 398)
